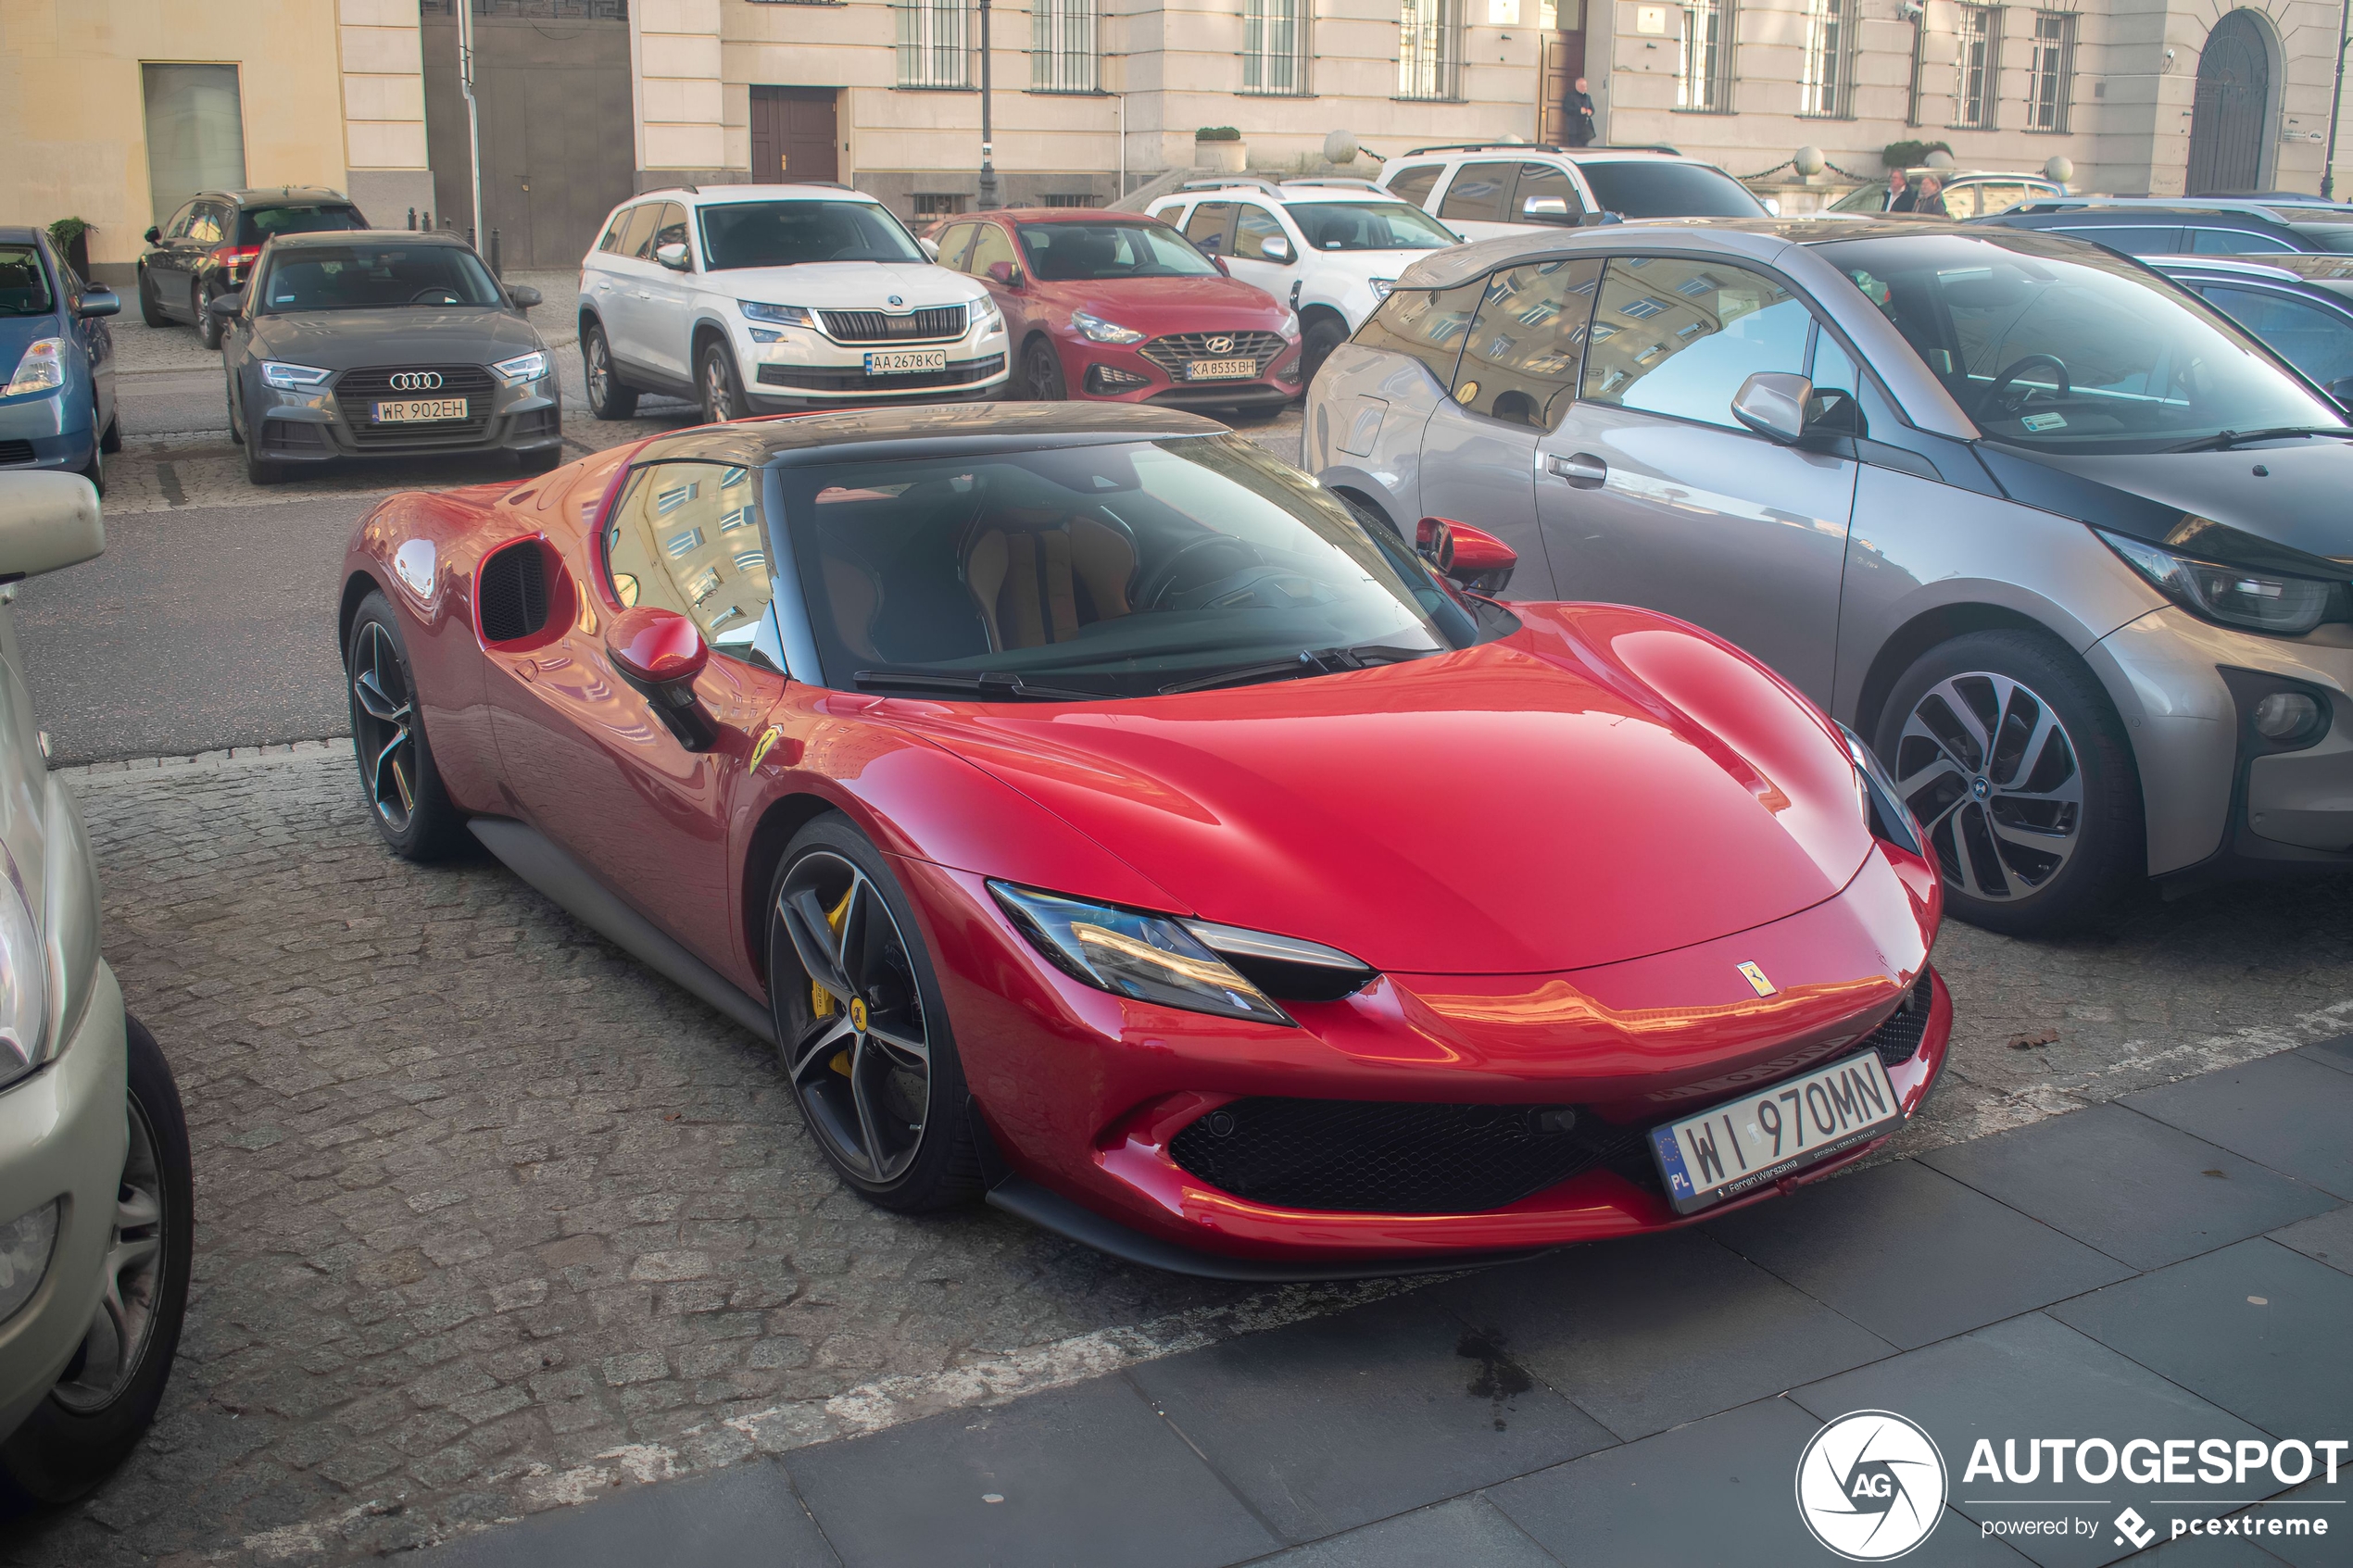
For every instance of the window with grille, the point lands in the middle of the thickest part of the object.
(1062, 46)
(1275, 46)
(1429, 49)
(1704, 57)
(937, 204)
(2051, 74)
(1071, 200)
(1827, 89)
(1976, 60)
(935, 48)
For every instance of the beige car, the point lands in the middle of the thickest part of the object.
(1971, 193)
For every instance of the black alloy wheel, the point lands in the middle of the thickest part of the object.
(608, 398)
(207, 324)
(1041, 372)
(107, 1396)
(723, 391)
(403, 788)
(1323, 335)
(863, 1031)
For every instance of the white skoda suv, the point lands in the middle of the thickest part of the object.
(755, 299)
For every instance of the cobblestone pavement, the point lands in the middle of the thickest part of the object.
(491, 1221)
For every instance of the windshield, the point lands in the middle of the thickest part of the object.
(24, 284)
(372, 276)
(2331, 233)
(1656, 188)
(789, 233)
(254, 225)
(2062, 346)
(1117, 570)
(1074, 252)
(1368, 226)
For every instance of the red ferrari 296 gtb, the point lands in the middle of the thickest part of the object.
(1102, 819)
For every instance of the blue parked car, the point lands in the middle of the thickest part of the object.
(56, 403)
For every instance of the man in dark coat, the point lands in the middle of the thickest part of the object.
(1580, 114)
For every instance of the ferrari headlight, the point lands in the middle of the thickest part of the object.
(2261, 601)
(1129, 953)
(42, 369)
(1099, 330)
(291, 378)
(521, 368)
(24, 988)
(1882, 803)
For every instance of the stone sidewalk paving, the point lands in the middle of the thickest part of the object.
(493, 1222)
(2174, 1265)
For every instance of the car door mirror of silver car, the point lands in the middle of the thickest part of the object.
(1773, 403)
(1274, 247)
(48, 521)
(525, 296)
(673, 255)
(659, 652)
(97, 300)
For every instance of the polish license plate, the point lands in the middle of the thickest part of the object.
(1220, 369)
(420, 409)
(1747, 1142)
(902, 361)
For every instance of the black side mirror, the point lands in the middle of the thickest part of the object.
(98, 300)
(225, 306)
(523, 294)
(154, 235)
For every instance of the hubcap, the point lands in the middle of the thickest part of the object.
(858, 1050)
(1994, 776)
(132, 1277)
(382, 718)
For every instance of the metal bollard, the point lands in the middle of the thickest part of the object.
(469, 240)
(412, 219)
(496, 270)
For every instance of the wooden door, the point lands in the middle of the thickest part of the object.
(2231, 104)
(1564, 63)
(792, 135)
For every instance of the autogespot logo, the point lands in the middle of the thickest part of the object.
(1870, 1485)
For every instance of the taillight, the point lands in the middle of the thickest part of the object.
(237, 258)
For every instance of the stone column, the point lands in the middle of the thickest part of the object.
(682, 134)
(383, 109)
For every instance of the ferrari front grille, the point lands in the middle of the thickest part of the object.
(1898, 1039)
(939, 323)
(1388, 1157)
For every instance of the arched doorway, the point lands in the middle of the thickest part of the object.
(2234, 108)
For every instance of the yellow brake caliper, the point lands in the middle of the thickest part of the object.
(820, 1002)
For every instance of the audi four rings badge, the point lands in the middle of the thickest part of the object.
(417, 380)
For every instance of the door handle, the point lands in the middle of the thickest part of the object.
(1580, 468)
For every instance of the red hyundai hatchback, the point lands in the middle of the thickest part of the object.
(1121, 307)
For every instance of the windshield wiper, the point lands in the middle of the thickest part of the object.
(2222, 441)
(993, 685)
(1310, 661)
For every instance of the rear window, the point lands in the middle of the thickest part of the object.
(1647, 188)
(255, 224)
(24, 284)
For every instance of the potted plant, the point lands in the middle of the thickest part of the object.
(1220, 149)
(72, 235)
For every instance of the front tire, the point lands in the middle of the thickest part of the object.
(1041, 372)
(862, 1026)
(207, 324)
(107, 1401)
(723, 390)
(405, 801)
(2009, 753)
(1323, 335)
(151, 309)
(607, 399)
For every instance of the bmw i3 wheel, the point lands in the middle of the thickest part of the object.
(861, 1025)
(2011, 756)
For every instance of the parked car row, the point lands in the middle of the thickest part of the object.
(57, 404)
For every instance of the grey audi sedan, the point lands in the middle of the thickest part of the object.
(2067, 546)
(362, 344)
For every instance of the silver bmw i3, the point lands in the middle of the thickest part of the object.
(2064, 544)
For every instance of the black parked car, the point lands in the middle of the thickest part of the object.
(207, 247)
(383, 344)
(2144, 227)
(2301, 306)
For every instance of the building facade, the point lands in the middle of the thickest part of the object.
(115, 110)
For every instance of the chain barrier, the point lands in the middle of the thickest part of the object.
(1791, 162)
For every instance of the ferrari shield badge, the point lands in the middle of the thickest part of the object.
(1756, 981)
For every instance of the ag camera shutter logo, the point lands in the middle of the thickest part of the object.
(1870, 1485)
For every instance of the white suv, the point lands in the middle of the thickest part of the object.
(1328, 250)
(1491, 188)
(768, 298)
